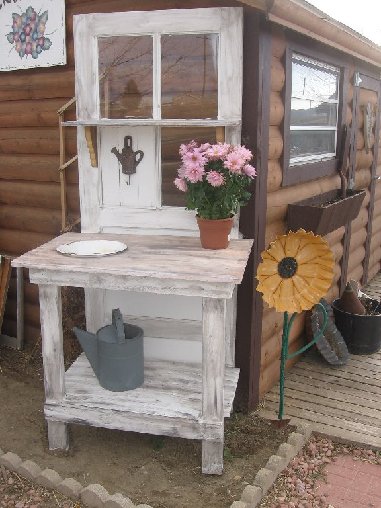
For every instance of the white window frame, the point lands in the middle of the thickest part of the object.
(304, 159)
(228, 23)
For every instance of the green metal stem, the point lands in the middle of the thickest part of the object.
(287, 324)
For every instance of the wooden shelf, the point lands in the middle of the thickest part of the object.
(168, 403)
(180, 122)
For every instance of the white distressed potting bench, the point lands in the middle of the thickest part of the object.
(176, 399)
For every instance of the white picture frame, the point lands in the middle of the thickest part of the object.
(32, 34)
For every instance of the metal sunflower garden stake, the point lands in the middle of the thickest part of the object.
(295, 272)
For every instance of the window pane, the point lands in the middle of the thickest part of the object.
(171, 139)
(313, 80)
(308, 112)
(311, 143)
(125, 77)
(189, 73)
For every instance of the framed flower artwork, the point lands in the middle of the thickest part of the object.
(32, 34)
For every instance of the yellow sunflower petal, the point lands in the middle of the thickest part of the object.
(309, 253)
(269, 283)
(276, 250)
(314, 270)
(268, 267)
(292, 245)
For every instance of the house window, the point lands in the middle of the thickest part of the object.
(311, 123)
(314, 110)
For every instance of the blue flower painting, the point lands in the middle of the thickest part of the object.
(28, 33)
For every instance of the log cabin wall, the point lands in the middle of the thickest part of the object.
(30, 207)
(279, 197)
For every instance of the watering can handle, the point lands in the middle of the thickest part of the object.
(117, 321)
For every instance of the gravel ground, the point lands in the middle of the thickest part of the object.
(295, 487)
(16, 492)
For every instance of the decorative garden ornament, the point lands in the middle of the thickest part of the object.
(216, 179)
(295, 273)
(127, 158)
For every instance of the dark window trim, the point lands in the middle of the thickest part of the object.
(310, 171)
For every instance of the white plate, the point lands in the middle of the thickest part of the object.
(92, 248)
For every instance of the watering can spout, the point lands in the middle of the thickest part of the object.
(89, 344)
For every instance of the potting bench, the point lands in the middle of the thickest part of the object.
(176, 399)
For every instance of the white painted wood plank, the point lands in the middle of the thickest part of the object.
(175, 350)
(165, 122)
(169, 388)
(52, 353)
(213, 369)
(140, 192)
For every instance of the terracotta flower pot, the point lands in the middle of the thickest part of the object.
(214, 233)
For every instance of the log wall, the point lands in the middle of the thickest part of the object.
(30, 207)
(279, 197)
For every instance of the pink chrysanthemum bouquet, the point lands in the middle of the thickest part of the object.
(216, 178)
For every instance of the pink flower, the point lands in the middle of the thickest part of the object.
(244, 153)
(234, 162)
(218, 151)
(181, 184)
(194, 157)
(249, 171)
(181, 171)
(215, 179)
(184, 148)
(194, 173)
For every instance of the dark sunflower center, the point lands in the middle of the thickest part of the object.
(287, 267)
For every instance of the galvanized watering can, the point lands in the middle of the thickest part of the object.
(115, 353)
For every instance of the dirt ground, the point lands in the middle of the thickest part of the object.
(160, 471)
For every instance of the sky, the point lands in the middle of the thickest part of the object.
(363, 16)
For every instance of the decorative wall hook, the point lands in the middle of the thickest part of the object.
(127, 158)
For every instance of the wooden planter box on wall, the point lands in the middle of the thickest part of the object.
(325, 213)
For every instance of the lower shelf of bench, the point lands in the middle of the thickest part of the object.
(168, 403)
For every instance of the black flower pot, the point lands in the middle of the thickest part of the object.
(361, 333)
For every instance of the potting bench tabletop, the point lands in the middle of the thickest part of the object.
(176, 399)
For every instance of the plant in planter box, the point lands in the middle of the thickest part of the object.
(216, 179)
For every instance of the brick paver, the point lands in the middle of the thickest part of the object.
(352, 484)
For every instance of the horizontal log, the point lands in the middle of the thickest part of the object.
(333, 293)
(376, 225)
(278, 42)
(348, 117)
(278, 201)
(39, 220)
(31, 332)
(363, 177)
(361, 220)
(41, 140)
(358, 238)
(373, 270)
(275, 143)
(377, 191)
(37, 84)
(269, 376)
(276, 109)
(31, 312)
(356, 273)
(37, 168)
(271, 324)
(19, 242)
(356, 257)
(39, 195)
(366, 96)
(277, 78)
(274, 229)
(30, 291)
(274, 176)
(360, 119)
(271, 349)
(337, 250)
(363, 159)
(32, 113)
(376, 240)
(335, 236)
(375, 257)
